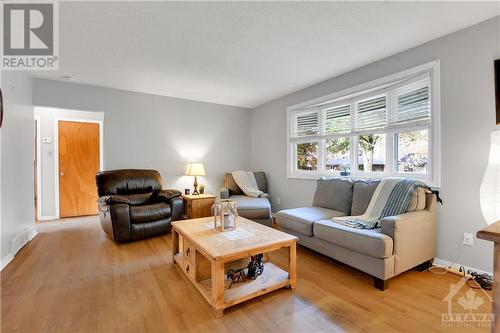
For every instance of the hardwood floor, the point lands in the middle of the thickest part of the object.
(72, 278)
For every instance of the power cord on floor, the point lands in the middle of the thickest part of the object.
(477, 281)
(481, 280)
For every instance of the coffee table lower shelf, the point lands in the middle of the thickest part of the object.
(271, 279)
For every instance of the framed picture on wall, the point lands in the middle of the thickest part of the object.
(497, 89)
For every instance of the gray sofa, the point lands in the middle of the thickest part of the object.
(256, 209)
(403, 242)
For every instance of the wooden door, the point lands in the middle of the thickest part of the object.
(78, 164)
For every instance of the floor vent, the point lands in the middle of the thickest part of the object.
(17, 243)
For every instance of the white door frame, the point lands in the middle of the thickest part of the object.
(56, 152)
(38, 190)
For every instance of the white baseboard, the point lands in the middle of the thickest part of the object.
(17, 244)
(446, 263)
(47, 218)
(5, 260)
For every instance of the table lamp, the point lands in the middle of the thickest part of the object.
(489, 193)
(195, 169)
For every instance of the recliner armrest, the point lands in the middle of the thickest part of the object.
(166, 195)
(224, 193)
(173, 198)
(177, 208)
(113, 199)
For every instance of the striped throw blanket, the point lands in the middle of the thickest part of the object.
(391, 197)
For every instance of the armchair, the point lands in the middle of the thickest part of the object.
(132, 204)
(256, 209)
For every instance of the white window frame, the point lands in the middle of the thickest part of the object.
(371, 89)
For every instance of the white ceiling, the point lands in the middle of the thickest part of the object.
(242, 53)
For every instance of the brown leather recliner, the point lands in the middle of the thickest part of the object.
(132, 204)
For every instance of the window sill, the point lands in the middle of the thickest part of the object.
(375, 175)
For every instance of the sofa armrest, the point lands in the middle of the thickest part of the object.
(414, 238)
(224, 193)
(113, 199)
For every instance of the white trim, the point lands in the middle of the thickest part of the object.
(6, 260)
(393, 81)
(38, 190)
(56, 152)
(446, 263)
(368, 85)
(30, 234)
(48, 218)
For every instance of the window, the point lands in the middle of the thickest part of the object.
(389, 127)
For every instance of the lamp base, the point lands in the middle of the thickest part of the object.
(195, 192)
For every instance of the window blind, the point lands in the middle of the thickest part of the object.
(372, 114)
(338, 120)
(307, 124)
(414, 106)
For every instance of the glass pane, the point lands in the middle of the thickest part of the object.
(372, 113)
(414, 105)
(371, 153)
(307, 156)
(338, 152)
(307, 124)
(413, 151)
(338, 119)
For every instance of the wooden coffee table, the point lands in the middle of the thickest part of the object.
(205, 255)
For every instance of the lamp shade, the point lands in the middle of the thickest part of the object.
(195, 169)
(490, 186)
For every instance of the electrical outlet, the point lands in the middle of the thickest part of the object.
(278, 201)
(468, 239)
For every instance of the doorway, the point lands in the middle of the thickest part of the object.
(78, 159)
(75, 143)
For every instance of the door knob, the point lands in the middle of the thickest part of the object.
(61, 174)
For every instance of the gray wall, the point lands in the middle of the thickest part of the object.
(162, 133)
(467, 115)
(17, 180)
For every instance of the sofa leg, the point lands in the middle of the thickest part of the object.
(380, 284)
(424, 266)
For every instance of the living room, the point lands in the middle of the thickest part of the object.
(351, 147)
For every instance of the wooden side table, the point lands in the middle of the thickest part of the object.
(196, 206)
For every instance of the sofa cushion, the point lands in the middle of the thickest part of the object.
(362, 192)
(418, 200)
(140, 198)
(301, 219)
(149, 213)
(334, 193)
(252, 208)
(367, 241)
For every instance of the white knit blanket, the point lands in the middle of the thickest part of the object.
(248, 184)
